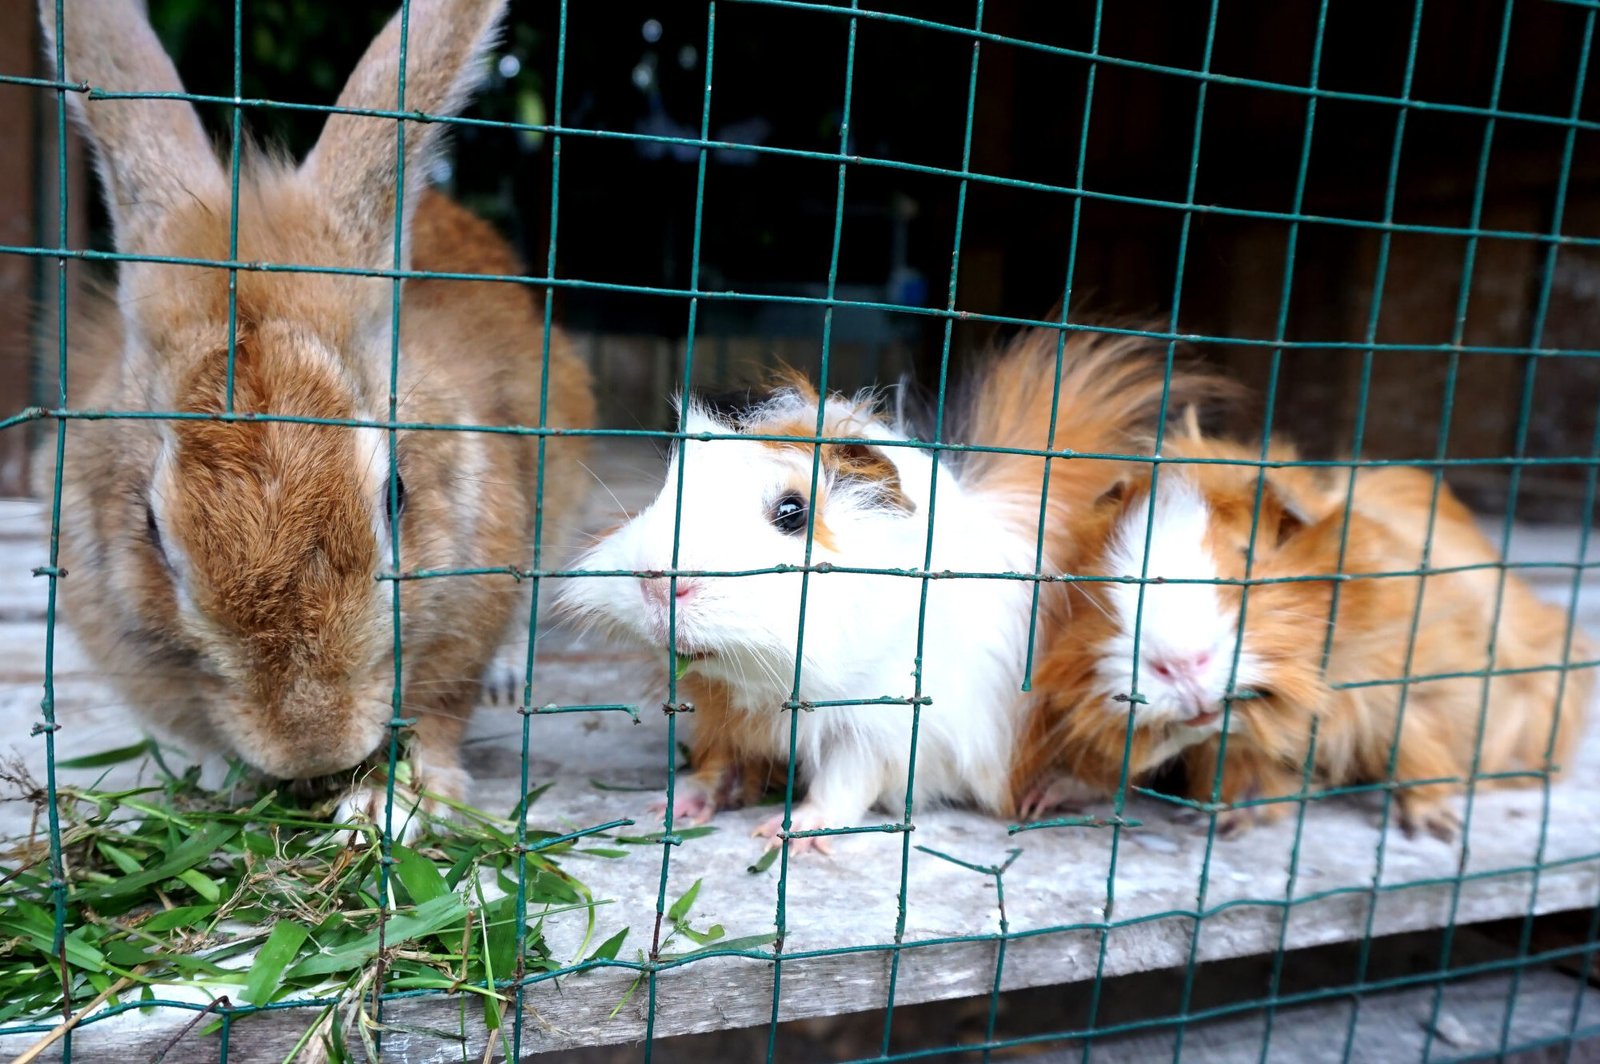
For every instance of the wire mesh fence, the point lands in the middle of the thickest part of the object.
(994, 953)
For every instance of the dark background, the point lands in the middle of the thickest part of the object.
(627, 208)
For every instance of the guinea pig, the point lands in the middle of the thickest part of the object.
(222, 571)
(886, 659)
(1355, 670)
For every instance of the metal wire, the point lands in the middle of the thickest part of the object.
(1293, 222)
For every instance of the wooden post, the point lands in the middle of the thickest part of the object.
(28, 218)
(19, 167)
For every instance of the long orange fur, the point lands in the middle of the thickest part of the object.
(1299, 535)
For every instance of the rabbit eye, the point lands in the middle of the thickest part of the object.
(153, 533)
(788, 514)
(394, 505)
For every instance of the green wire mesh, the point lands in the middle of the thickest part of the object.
(1402, 106)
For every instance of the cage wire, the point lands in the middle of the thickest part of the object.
(62, 414)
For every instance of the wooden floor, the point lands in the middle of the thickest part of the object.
(603, 766)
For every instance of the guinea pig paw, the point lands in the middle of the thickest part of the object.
(1063, 794)
(1440, 821)
(802, 820)
(1232, 823)
(692, 805)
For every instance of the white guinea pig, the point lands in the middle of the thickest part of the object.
(747, 507)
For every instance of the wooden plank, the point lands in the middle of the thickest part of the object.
(1055, 891)
(1391, 1026)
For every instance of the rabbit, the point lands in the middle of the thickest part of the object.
(222, 573)
(1077, 728)
(746, 504)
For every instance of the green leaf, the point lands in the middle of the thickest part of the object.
(655, 837)
(521, 810)
(182, 916)
(125, 953)
(193, 851)
(156, 812)
(107, 757)
(607, 950)
(600, 851)
(682, 666)
(267, 970)
(257, 843)
(548, 888)
(463, 864)
(500, 936)
(425, 919)
(602, 785)
(419, 982)
(188, 963)
(680, 908)
(119, 857)
(700, 938)
(80, 954)
(201, 885)
(733, 944)
(764, 862)
(418, 875)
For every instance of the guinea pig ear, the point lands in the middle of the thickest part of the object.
(1191, 421)
(1291, 521)
(865, 465)
(1116, 495)
(1113, 495)
(356, 164)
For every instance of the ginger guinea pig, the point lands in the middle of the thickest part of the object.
(1292, 666)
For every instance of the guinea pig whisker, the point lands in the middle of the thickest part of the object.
(1094, 600)
(1315, 617)
(604, 487)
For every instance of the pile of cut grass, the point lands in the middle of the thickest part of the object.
(251, 899)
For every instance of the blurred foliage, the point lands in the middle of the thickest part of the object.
(292, 50)
(300, 51)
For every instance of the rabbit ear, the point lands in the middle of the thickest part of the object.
(354, 165)
(152, 155)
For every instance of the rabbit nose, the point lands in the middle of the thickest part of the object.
(1176, 668)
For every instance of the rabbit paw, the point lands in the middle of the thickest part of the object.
(363, 806)
(804, 820)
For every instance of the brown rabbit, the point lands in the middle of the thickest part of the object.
(222, 573)
(1203, 517)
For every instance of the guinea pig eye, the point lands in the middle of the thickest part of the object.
(394, 505)
(788, 514)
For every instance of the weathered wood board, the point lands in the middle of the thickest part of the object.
(1055, 892)
(1475, 1017)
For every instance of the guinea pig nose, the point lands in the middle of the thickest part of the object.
(655, 590)
(1181, 666)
